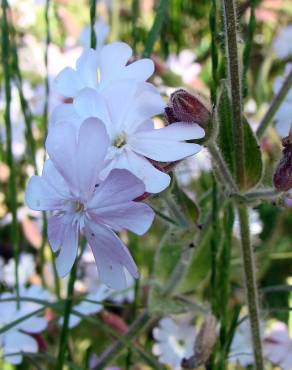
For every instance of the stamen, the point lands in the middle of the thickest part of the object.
(120, 140)
(79, 207)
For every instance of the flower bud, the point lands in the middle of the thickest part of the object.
(283, 175)
(204, 344)
(185, 107)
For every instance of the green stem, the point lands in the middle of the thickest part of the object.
(156, 28)
(250, 286)
(111, 352)
(214, 52)
(235, 86)
(92, 22)
(249, 43)
(277, 101)
(6, 55)
(67, 311)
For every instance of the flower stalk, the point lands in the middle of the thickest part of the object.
(235, 86)
(250, 286)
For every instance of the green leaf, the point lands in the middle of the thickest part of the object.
(188, 207)
(253, 157)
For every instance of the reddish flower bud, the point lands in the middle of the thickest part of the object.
(283, 175)
(185, 107)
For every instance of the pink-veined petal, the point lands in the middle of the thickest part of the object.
(61, 145)
(56, 230)
(68, 83)
(55, 180)
(87, 67)
(92, 146)
(119, 187)
(40, 196)
(110, 254)
(68, 250)
(133, 216)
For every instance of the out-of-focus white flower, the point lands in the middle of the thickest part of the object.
(282, 43)
(174, 341)
(255, 223)
(101, 29)
(18, 339)
(191, 168)
(278, 346)
(183, 64)
(97, 69)
(241, 350)
(283, 116)
(87, 308)
(26, 269)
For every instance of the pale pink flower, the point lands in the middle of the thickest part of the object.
(70, 187)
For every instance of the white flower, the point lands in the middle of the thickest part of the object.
(241, 350)
(26, 269)
(70, 186)
(174, 341)
(87, 308)
(255, 223)
(18, 339)
(278, 346)
(126, 109)
(101, 30)
(283, 116)
(183, 65)
(282, 44)
(97, 69)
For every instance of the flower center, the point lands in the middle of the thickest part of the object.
(120, 140)
(79, 207)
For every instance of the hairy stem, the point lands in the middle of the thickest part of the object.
(275, 105)
(221, 166)
(250, 286)
(235, 86)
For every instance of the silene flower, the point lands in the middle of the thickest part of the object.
(97, 69)
(126, 108)
(19, 338)
(70, 187)
(174, 341)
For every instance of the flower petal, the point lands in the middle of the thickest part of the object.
(113, 57)
(68, 250)
(34, 325)
(140, 70)
(92, 146)
(155, 181)
(64, 112)
(90, 103)
(41, 196)
(86, 66)
(119, 187)
(16, 341)
(68, 83)
(165, 144)
(61, 145)
(133, 216)
(56, 231)
(111, 256)
(55, 180)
